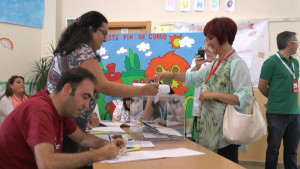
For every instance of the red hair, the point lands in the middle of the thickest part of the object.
(223, 28)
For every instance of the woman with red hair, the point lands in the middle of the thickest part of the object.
(225, 81)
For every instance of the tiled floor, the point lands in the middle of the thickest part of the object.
(257, 165)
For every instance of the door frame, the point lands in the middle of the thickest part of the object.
(146, 25)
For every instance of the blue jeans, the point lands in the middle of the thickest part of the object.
(286, 127)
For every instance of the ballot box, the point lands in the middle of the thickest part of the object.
(159, 117)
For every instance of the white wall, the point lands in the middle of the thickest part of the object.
(26, 49)
(154, 11)
(32, 43)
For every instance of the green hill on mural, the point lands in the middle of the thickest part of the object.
(133, 65)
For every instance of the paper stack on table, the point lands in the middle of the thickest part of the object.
(148, 155)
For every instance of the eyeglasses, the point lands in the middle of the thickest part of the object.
(103, 32)
(297, 42)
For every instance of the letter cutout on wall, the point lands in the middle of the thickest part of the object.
(185, 5)
(199, 5)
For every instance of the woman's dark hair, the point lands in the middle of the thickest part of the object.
(224, 29)
(8, 90)
(74, 77)
(124, 103)
(79, 33)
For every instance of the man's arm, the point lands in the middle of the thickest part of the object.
(263, 86)
(46, 157)
(87, 140)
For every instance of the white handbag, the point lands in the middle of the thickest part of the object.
(239, 128)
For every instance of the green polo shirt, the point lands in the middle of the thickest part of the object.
(281, 96)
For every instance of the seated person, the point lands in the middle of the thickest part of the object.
(122, 111)
(34, 131)
(136, 109)
(14, 95)
(164, 111)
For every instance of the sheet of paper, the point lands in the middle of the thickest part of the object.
(114, 124)
(168, 131)
(110, 129)
(147, 155)
(154, 135)
(112, 136)
(140, 144)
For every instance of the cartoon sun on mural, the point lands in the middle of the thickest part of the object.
(7, 43)
(175, 41)
(170, 62)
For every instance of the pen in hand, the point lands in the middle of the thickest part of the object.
(133, 149)
(123, 150)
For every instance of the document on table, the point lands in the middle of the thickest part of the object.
(161, 130)
(147, 155)
(108, 129)
(114, 124)
(130, 143)
(140, 144)
(154, 136)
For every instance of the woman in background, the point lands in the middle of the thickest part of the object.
(122, 111)
(77, 48)
(14, 95)
(227, 73)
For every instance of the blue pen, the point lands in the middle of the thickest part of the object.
(130, 147)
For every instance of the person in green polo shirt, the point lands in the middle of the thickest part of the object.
(279, 83)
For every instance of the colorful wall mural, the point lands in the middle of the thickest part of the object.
(135, 58)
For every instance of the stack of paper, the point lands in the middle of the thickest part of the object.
(107, 129)
(147, 155)
(152, 130)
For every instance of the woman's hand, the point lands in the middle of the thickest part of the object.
(198, 61)
(161, 121)
(94, 120)
(160, 76)
(209, 55)
(206, 95)
(150, 89)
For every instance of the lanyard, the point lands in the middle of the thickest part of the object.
(17, 100)
(288, 68)
(213, 71)
(162, 113)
